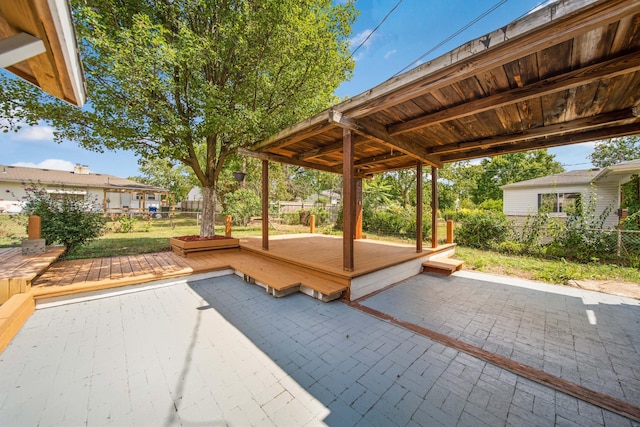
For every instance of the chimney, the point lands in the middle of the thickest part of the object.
(81, 169)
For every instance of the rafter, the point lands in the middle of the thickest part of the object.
(555, 141)
(607, 69)
(378, 132)
(290, 161)
(611, 118)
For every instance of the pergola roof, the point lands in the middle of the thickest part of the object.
(38, 44)
(564, 74)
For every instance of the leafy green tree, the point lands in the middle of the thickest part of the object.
(510, 168)
(162, 173)
(615, 150)
(171, 79)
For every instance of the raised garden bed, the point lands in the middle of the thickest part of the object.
(184, 245)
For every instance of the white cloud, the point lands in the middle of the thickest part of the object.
(389, 54)
(56, 164)
(34, 133)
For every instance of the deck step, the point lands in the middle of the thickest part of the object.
(281, 281)
(442, 265)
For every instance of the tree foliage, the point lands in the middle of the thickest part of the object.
(191, 81)
(509, 168)
(615, 150)
(161, 173)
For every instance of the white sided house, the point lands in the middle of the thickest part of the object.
(560, 192)
(111, 193)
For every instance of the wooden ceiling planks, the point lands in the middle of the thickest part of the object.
(565, 73)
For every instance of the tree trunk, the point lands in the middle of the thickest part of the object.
(207, 228)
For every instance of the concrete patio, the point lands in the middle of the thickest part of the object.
(217, 351)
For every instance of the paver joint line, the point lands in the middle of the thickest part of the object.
(590, 396)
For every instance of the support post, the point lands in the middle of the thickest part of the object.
(265, 205)
(358, 209)
(312, 224)
(449, 231)
(419, 206)
(434, 207)
(227, 226)
(348, 194)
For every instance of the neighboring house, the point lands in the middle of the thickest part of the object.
(116, 195)
(560, 192)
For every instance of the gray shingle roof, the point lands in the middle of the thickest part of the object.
(71, 179)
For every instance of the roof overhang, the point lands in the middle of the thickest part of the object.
(38, 44)
(566, 73)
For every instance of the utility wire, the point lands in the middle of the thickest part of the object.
(484, 14)
(376, 28)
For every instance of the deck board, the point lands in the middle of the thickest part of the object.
(313, 262)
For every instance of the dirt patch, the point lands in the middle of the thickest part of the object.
(624, 289)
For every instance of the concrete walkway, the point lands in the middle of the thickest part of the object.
(218, 351)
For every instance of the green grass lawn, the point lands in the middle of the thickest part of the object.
(154, 237)
(546, 270)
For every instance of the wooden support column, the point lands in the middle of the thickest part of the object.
(358, 208)
(434, 207)
(419, 206)
(265, 205)
(348, 200)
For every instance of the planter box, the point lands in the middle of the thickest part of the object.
(185, 247)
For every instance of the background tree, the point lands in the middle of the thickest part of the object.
(615, 150)
(510, 168)
(172, 79)
(162, 173)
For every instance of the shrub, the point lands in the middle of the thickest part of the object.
(481, 229)
(394, 221)
(65, 218)
(127, 224)
(242, 204)
(582, 237)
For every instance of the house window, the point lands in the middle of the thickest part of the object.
(558, 202)
(151, 196)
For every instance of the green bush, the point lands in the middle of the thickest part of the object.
(242, 204)
(65, 218)
(394, 221)
(491, 205)
(127, 224)
(481, 229)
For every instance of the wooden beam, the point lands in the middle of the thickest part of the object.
(283, 159)
(312, 126)
(582, 76)
(378, 132)
(348, 198)
(561, 22)
(328, 149)
(434, 207)
(591, 135)
(585, 123)
(418, 207)
(265, 205)
(378, 159)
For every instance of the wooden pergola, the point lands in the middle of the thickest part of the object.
(564, 74)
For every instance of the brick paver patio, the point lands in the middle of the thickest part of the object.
(221, 352)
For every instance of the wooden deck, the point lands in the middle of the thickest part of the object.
(17, 271)
(307, 263)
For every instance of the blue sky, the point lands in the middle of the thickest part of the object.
(414, 28)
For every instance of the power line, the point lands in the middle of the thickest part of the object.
(376, 28)
(474, 21)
